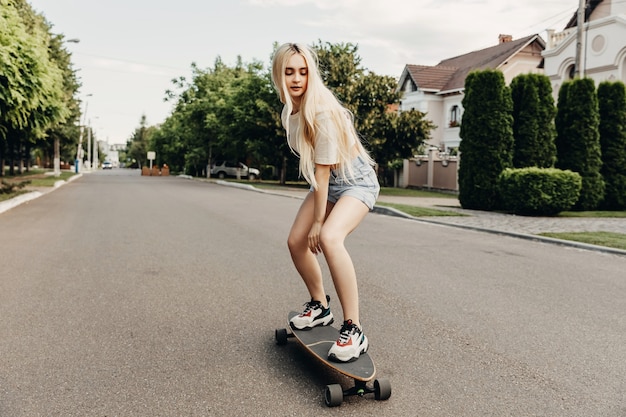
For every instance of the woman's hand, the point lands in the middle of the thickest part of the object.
(314, 238)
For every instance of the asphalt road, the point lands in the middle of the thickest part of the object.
(123, 295)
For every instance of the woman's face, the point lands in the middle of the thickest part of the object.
(296, 77)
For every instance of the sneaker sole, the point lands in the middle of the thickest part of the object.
(307, 328)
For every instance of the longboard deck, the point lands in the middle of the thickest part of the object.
(320, 339)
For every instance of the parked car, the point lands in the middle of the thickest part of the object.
(223, 169)
(107, 165)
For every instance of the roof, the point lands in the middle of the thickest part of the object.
(450, 73)
(431, 77)
(590, 6)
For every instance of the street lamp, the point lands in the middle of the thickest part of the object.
(79, 151)
(92, 153)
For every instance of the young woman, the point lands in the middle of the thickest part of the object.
(343, 190)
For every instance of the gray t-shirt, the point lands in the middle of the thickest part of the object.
(326, 149)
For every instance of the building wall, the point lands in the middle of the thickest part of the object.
(603, 51)
(437, 106)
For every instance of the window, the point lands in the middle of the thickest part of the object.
(455, 116)
(409, 85)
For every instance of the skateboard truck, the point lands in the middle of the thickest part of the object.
(334, 393)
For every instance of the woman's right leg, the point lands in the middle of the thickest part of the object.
(303, 259)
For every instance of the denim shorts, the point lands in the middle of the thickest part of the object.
(364, 186)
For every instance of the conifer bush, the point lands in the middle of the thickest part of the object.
(578, 139)
(612, 107)
(487, 139)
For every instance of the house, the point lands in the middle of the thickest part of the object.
(597, 51)
(602, 52)
(438, 90)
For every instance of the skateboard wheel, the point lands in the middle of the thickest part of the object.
(333, 395)
(382, 389)
(281, 336)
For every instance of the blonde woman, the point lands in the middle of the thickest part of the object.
(343, 190)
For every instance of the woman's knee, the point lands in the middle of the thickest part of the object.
(330, 240)
(296, 243)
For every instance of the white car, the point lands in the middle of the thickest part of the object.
(223, 169)
(107, 165)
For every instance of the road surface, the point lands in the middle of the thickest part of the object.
(123, 295)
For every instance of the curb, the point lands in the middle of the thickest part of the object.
(20, 199)
(24, 198)
(390, 211)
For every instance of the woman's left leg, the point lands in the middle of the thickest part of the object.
(345, 216)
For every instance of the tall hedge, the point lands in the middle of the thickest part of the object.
(578, 139)
(612, 107)
(533, 121)
(487, 139)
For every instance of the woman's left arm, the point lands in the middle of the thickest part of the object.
(320, 198)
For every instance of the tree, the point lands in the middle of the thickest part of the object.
(612, 111)
(578, 139)
(389, 136)
(225, 113)
(256, 110)
(138, 144)
(487, 133)
(31, 87)
(340, 68)
(533, 121)
(234, 113)
(397, 136)
(63, 132)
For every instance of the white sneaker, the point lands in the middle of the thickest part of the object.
(314, 314)
(351, 343)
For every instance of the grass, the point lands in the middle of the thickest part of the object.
(49, 180)
(607, 239)
(597, 214)
(416, 211)
(34, 178)
(8, 196)
(409, 192)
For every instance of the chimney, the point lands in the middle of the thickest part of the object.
(505, 38)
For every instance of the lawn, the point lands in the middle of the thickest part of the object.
(607, 239)
(30, 179)
(598, 214)
(409, 192)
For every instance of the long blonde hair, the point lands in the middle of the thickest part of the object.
(316, 100)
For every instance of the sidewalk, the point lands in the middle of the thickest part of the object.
(510, 222)
(33, 194)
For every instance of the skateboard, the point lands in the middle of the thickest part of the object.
(317, 342)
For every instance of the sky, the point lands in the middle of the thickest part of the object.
(130, 50)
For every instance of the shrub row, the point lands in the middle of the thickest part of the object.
(538, 191)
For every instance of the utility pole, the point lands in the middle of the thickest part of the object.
(579, 70)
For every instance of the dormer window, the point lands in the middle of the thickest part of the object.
(409, 85)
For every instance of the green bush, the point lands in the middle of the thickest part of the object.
(539, 191)
(12, 187)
